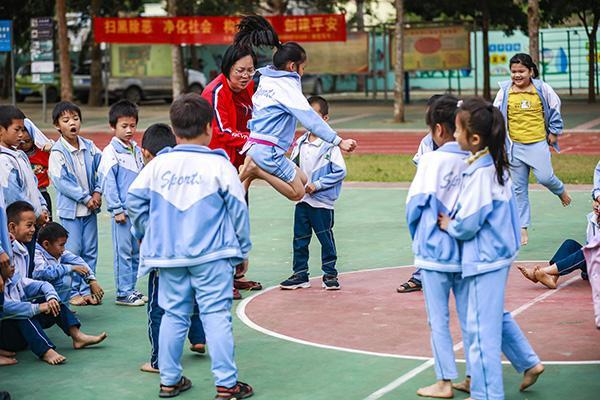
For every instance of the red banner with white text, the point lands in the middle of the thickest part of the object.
(215, 30)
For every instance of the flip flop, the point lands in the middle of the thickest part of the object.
(181, 386)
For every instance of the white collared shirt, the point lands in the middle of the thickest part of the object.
(309, 156)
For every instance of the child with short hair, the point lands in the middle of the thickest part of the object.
(159, 138)
(56, 265)
(24, 320)
(188, 208)
(16, 176)
(486, 222)
(73, 169)
(324, 165)
(531, 111)
(121, 163)
(278, 103)
(37, 148)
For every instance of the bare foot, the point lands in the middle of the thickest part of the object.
(5, 361)
(524, 237)
(82, 340)
(531, 376)
(529, 273)
(565, 198)
(148, 368)
(53, 358)
(198, 348)
(439, 390)
(464, 386)
(6, 353)
(78, 301)
(546, 279)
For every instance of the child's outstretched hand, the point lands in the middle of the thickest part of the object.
(443, 221)
(80, 269)
(348, 145)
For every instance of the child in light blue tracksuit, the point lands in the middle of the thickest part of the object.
(73, 169)
(531, 111)
(277, 105)
(58, 266)
(187, 207)
(435, 189)
(121, 163)
(486, 223)
(596, 189)
(324, 164)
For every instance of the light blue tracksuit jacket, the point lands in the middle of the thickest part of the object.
(18, 181)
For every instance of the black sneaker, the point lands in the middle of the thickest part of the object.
(240, 390)
(330, 282)
(296, 281)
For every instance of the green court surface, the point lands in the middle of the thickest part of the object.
(370, 232)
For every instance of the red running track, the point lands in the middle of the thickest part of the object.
(377, 142)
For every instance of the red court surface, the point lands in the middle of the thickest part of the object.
(368, 315)
(377, 142)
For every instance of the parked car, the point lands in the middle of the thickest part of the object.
(25, 86)
(136, 89)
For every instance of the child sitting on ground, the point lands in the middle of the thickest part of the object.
(6, 357)
(158, 138)
(73, 169)
(56, 265)
(325, 168)
(26, 320)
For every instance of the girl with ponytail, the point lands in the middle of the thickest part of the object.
(278, 103)
(486, 223)
(531, 110)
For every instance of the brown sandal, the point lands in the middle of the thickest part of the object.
(181, 386)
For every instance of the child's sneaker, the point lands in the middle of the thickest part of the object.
(141, 296)
(330, 282)
(131, 300)
(295, 281)
(240, 390)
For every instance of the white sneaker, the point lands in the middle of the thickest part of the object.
(131, 300)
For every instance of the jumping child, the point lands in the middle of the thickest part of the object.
(486, 223)
(278, 104)
(531, 111)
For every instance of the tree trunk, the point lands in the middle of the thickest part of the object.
(360, 26)
(399, 68)
(277, 7)
(66, 82)
(533, 25)
(592, 65)
(6, 79)
(177, 58)
(194, 58)
(485, 28)
(96, 85)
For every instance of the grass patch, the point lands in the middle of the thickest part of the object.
(570, 168)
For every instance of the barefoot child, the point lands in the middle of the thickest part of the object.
(121, 163)
(73, 170)
(56, 265)
(324, 164)
(278, 103)
(25, 321)
(486, 223)
(158, 138)
(187, 207)
(531, 111)
(435, 189)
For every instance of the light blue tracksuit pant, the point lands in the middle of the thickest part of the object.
(83, 242)
(491, 331)
(126, 255)
(436, 288)
(210, 286)
(522, 159)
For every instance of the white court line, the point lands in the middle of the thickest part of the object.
(415, 371)
(350, 118)
(587, 125)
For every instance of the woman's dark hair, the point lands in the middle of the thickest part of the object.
(526, 60)
(254, 30)
(233, 54)
(480, 117)
(442, 111)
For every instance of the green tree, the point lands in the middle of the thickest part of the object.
(483, 14)
(588, 12)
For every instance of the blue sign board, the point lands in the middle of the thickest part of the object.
(5, 35)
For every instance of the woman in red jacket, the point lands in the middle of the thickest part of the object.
(230, 95)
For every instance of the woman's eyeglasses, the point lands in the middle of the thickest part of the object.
(241, 72)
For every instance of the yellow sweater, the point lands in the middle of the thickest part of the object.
(526, 116)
